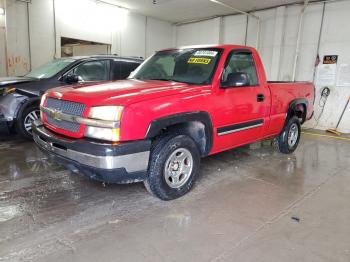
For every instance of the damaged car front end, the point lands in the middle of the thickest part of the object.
(11, 100)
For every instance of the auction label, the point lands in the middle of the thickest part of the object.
(205, 53)
(199, 60)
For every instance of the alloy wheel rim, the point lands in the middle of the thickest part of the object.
(178, 168)
(293, 135)
(29, 119)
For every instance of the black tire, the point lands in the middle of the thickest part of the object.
(26, 115)
(283, 142)
(163, 150)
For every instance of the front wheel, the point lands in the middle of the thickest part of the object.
(288, 140)
(25, 119)
(173, 167)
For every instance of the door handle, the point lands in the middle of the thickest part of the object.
(260, 98)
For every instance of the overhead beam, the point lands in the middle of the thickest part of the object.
(245, 13)
(234, 8)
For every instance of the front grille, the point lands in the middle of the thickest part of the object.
(66, 107)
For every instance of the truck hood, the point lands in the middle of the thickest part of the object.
(122, 92)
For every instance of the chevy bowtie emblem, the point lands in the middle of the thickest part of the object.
(55, 114)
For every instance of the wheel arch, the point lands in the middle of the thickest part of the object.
(298, 107)
(197, 125)
(24, 104)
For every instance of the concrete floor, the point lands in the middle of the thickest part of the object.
(248, 205)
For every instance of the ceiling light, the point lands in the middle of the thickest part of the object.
(2, 11)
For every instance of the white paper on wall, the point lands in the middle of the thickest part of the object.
(326, 74)
(343, 75)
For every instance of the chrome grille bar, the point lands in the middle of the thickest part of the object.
(58, 115)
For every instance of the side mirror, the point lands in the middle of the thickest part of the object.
(71, 79)
(236, 79)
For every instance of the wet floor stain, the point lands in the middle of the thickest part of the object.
(45, 208)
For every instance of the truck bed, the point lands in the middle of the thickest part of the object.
(287, 82)
(282, 93)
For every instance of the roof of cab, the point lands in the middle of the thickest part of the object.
(129, 58)
(211, 46)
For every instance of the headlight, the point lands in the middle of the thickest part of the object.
(109, 113)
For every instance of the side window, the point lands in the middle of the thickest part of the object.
(93, 71)
(241, 62)
(116, 70)
(127, 68)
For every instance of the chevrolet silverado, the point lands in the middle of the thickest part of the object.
(180, 105)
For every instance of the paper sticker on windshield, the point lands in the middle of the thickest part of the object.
(205, 53)
(199, 60)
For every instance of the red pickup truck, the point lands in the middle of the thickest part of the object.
(180, 105)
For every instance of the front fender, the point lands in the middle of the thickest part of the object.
(10, 104)
(157, 125)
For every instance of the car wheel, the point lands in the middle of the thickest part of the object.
(174, 165)
(288, 140)
(25, 119)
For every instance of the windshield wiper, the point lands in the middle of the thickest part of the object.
(160, 79)
(167, 79)
(180, 81)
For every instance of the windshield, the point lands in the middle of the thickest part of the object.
(50, 69)
(192, 66)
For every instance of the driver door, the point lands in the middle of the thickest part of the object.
(243, 107)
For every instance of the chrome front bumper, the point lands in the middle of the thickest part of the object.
(131, 162)
(101, 161)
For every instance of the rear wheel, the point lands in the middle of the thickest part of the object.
(173, 167)
(288, 140)
(25, 119)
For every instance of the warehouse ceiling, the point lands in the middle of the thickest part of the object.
(184, 10)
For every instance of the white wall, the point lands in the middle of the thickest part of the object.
(204, 32)
(158, 35)
(41, 26)
(18, 59)
(267, 36)
(336, 40)
(128, 33)
(133, 37)
(2, 43)
(277, 46)
(234, 29)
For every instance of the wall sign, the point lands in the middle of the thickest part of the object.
(330, 59)
(327, 71)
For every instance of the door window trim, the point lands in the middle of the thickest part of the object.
(88, 61)
(247, 51)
